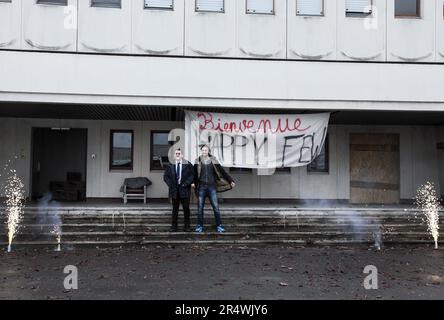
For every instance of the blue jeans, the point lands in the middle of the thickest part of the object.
(210, 192)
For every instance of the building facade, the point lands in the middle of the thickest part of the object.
(95, 86)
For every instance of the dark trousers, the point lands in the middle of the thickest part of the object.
(186, 211)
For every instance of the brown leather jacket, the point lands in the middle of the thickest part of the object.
(222, 178)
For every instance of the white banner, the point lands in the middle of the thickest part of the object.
(256, 141)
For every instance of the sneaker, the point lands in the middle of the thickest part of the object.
(199, 229)
(220, 229)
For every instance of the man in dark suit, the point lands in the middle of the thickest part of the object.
(179, 177)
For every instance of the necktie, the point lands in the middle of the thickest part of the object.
(178, 172)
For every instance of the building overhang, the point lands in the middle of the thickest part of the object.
(176, 114)
(230, 83)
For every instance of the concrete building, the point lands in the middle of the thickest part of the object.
(94, 86)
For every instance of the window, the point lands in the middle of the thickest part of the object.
(407, 8)
(283, 170)
(106, 3)
(53, 2)
(310, 7)
(159, 4)
(260, 6)
(241, 170)
(210, 5)
(358, 7)
(121, 151)
(321, 163)
(160, 146)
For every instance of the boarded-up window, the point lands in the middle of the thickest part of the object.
(260, 6)
(159, 4)
(310, 7)
(353, 7)
(210, 5)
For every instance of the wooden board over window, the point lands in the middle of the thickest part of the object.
(374, 168)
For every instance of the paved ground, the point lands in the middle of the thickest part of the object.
(204, 272)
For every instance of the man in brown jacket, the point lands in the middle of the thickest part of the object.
(210, 178)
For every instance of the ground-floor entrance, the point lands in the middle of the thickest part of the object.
(369, 157)
(59, 163)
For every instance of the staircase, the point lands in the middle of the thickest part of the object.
(262, 225)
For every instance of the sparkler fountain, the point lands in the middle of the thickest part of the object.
(15, 195)
(428, 202)
(58, 234)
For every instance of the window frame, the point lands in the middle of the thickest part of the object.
(407, 16)
(236, 170)
(209, 11)
(283, 170)
(272, 13)
(325, 171)
(353, 14)
(171, 143)
(92, 5)
(46, 2)
(322, 14)
(111, 150)
(159, 8)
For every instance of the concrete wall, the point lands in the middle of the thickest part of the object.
(402, 33)
(211, 34)
(10, 24)
(104, 29)
(24, 24)
(418, 153)
(45, 27)
(262, 35)
(363, 38)
(100, 181)
(312, 37)
(159, 32)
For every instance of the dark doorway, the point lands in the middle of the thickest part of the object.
(59, 163)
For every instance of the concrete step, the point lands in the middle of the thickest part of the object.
(306, 236)
(257, 225)
(238, 227)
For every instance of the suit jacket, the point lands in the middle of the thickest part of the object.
(187, 180)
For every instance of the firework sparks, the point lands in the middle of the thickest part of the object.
(15, 195)
(428, 202)
(58, 234)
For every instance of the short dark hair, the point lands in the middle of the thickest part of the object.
(205, 145)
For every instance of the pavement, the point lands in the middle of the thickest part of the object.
(204, 272)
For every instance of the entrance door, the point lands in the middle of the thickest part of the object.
(59, 163)
(374, 168)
